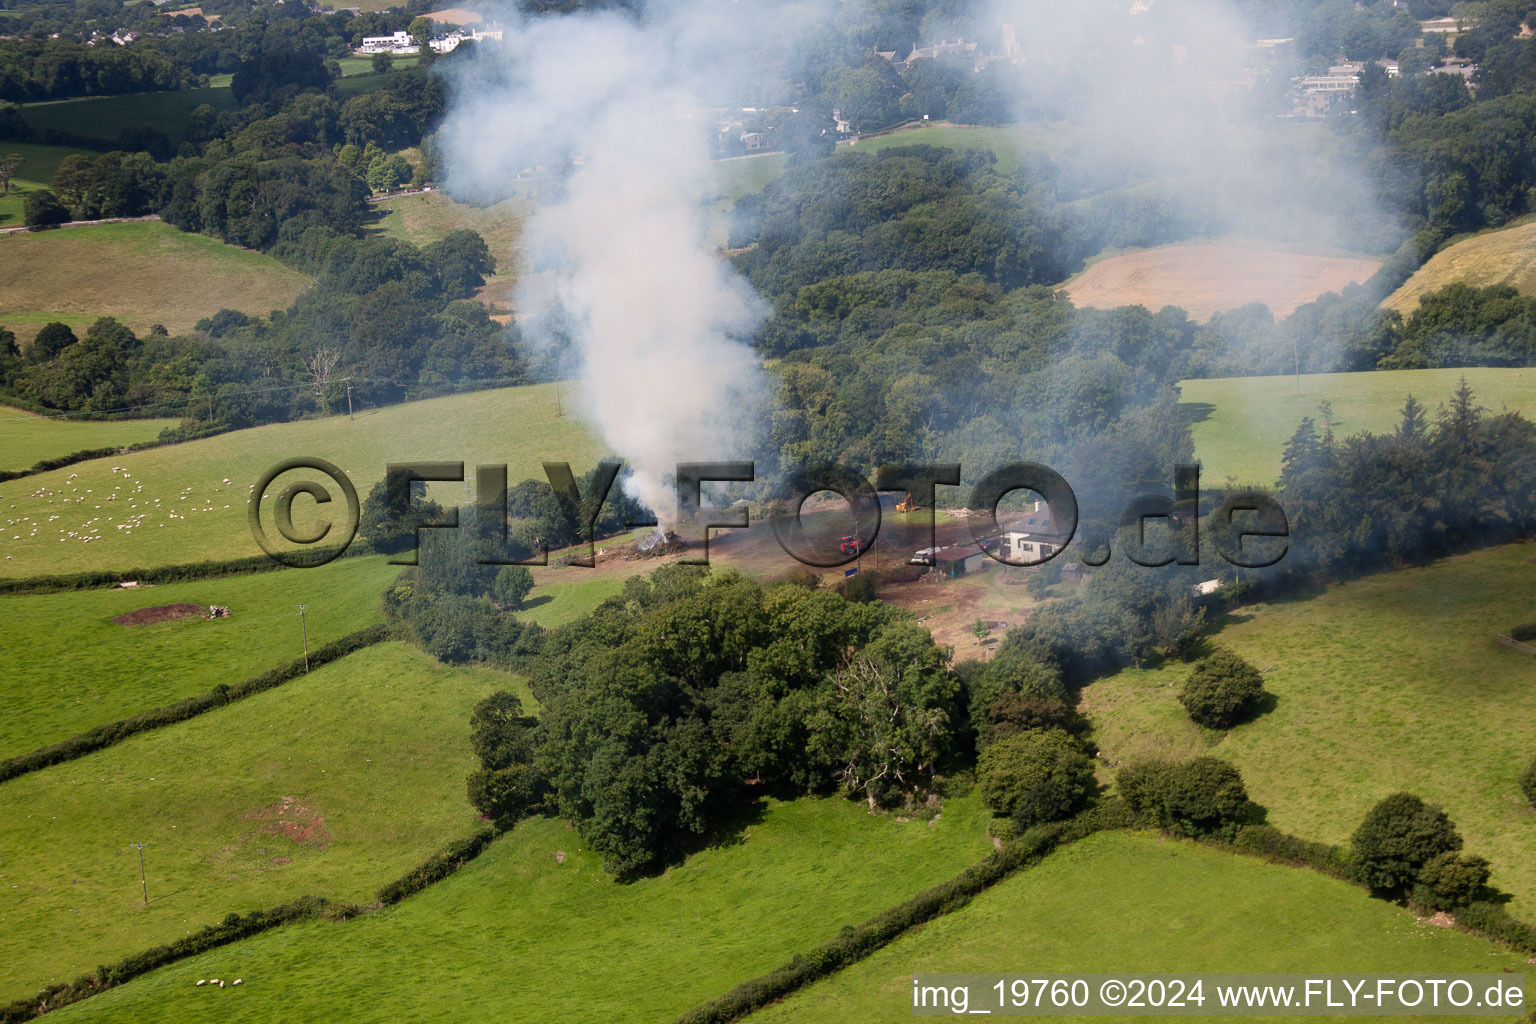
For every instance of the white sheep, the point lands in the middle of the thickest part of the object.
(236, 981)
(201, 983)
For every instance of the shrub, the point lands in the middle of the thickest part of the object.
(1141, 787)
(1204, 796)
(1013, 713)
(1398, 837)
(513, 585)
(1221, 690)
(1035, 777)
(42, 209)
(1528, 783)
(1451, 880)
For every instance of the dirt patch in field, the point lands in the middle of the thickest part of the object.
(1207, 278)
(292, 820)
(159, 613)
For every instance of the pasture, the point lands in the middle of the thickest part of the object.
(1503, 256)
(330, 785)
(26, 439)
(1241, 424)
(38, 164)
(171, 505)
(1203, 278)
(70, 667)
(423, 219)
(1388, 683)
(1128, 903)
(579, 945)
(103, 117)
(142, 273)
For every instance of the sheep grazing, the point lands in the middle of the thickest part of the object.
(221, 984)
(235, 982)
(201, 983)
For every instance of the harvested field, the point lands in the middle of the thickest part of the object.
(143, 273)
(1204, 278)
(160, 613)
(1505, 256)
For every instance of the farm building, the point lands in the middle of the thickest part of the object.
(1034, 538)
(958, 560)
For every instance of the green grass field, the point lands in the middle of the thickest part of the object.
(423, 219)
(38, 163)
(143, 273)
(26, 439)
(1127, 903)
(351, 67)
(520, 935)
(72, 667)
(1394, 682)
(1504, 256)
(103, 117)
(174, 506)
(331, 785)
(1241, 424)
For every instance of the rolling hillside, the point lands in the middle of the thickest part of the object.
(142, 273)
(1240, 424)
(1393, 682)
(578, 945)
(173, 505)
(1203, 278)
(1119, 902)
(312, 788)
(1504, 256)
(27, 439)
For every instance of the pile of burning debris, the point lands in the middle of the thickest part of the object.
(657, 544)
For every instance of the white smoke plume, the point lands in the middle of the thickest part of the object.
(620, 262)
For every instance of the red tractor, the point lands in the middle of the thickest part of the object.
(849, 546)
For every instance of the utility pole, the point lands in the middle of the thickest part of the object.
(558, 411)
(143, 883)
(305, 627)
(349, 398)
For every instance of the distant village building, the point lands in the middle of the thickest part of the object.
(399, 42)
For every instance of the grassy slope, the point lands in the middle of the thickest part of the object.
(1394, 682)
(73, 667)
(1247, 420)
(518, 935)
(35, 171)
(512, 425)
(1119, 902)
(142, 273)
(1504, 256)
(376, 745)
(103, 117)
(26, 439)
(423, 219)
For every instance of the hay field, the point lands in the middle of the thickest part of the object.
(1505, 256)
(143, 273)
(1204, 278)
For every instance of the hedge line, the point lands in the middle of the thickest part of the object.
(115, 732)
(856, 943)
(47, 465)
(233, 928)
(438, 866)
(168, 573)
(1489, 920)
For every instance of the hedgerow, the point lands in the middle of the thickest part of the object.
(111, 733)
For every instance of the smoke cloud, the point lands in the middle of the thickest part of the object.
(618, 268)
